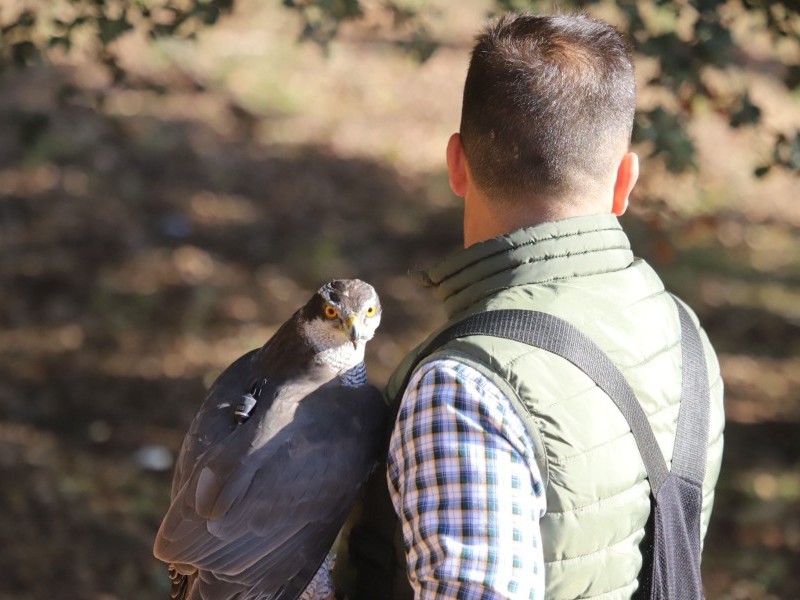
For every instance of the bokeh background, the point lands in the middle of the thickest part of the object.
(176, 177)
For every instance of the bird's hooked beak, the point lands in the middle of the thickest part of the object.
(351, 329)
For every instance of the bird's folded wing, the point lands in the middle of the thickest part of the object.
(240, 510)
(214, 420)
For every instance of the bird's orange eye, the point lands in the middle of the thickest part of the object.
(371, 311)
(331, 312)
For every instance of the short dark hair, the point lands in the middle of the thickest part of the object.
(548, 105)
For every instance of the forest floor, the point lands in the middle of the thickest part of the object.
(147, 241)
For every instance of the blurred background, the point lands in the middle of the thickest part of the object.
(177, 176)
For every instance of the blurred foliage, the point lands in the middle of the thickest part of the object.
(31, 31)
(688, 39)
(322, 19)
(657, 30)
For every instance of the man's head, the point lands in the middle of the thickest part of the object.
(548, 109)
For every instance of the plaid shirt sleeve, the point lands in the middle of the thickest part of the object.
(466, 488)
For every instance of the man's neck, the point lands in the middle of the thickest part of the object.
(485, 219)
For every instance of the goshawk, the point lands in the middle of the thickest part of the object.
(272, 463)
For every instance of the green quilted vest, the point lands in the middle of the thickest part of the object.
(583, 271)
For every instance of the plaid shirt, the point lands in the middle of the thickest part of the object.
(466, 488)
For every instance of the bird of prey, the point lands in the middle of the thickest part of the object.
(273, 461)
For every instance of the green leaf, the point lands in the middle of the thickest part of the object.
(676, 58)
(714, 41)
(60, 41)
(111, 29)
(209, 11)
(24, 53)
(667, 132)
(422, 45)
(762, 171)
(793, 161)
(26, 20)
(747, 114)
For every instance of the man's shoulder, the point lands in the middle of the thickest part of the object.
(450, 369)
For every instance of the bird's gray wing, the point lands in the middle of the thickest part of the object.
(266, 515)
(214, 420)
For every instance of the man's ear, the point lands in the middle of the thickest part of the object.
(627, 174)
(457, 165)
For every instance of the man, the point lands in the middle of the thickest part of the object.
(512, 473)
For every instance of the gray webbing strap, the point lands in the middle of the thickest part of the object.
(691, 437)
(560, 337)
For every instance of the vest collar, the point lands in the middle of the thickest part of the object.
(574, 247)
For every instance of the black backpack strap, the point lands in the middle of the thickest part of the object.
(556, 335)
(691, 438)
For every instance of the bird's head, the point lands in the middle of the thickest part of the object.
(339, 319)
